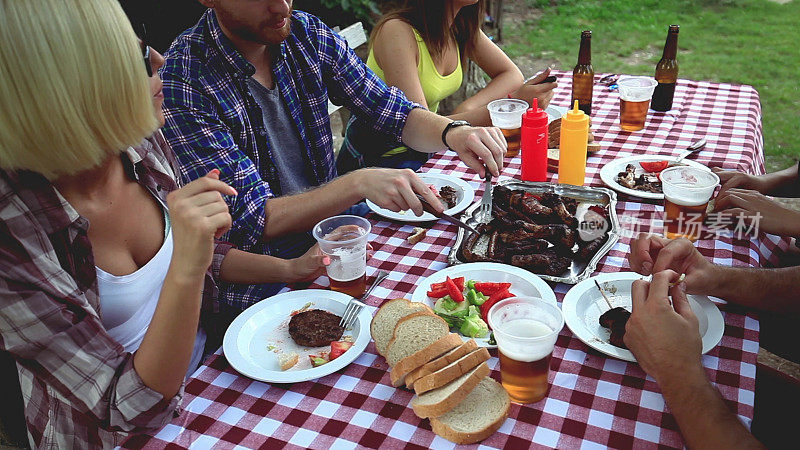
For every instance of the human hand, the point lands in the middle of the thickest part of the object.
(480, 148)
(198, 214)
(650, 254)
(533, 89)
(730, 179)
(395, 189)
(308, 267)
(664, 337)
(773, 218)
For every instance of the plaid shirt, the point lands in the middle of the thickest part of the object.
(214, 122)
(79, 386)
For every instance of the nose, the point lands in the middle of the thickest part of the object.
(156, 60)
(281, 7)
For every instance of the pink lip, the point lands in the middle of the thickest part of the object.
(160, 94)
(279, 25)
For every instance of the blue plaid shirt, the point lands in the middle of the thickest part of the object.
(214, 122)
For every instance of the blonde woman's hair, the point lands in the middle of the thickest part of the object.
(73, 86)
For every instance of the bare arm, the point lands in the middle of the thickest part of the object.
(704, 419)
(665, 339)
(198, 213)
(768, 289)
(783, 183)
(506, 78)
(250, 268)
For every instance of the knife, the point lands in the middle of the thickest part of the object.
(428, 208)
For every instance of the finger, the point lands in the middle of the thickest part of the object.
(680, 302)
(204, 198)
(673, 255)
(474, 163)
(212, 209)
(419, 186)
(214, 173)
(203, 184)
(496, 145)
(413, 202)
(644, 251)
(730, 200)
(660, 285)
(221, 222)
(639, 291)
(536, 79)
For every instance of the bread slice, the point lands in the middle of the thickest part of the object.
(436, 349)
(450, 372)
(479, 415)
(413, 333)
(454, 354)
(382, 326)
(438, 401)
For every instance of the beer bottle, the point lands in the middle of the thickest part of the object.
(583, 75)
(666, 73)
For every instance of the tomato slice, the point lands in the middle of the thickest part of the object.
(491, 288)
(455, 293)
(654, 166)
(494, 298)
(459, 283)
(438, 293)
(338, 348)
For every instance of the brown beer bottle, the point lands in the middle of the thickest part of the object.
(583, 75)
(666, 73)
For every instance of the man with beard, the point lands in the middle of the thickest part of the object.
(246, 91)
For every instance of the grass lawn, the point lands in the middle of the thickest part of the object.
(738, 41)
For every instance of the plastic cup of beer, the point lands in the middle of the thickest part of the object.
(506, 114)
(634, 101)
(344, 240)
(687, 191)
(526, 329)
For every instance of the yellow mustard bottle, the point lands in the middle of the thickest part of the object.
(572, 147)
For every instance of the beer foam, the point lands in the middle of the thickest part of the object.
(525, 328)
(347, 263)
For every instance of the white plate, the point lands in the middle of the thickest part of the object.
(248, 337)
(523, 284)
(464, 193)
(610, 171)
(555, 112)
(583, 305)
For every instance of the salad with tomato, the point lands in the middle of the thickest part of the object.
(465, 304)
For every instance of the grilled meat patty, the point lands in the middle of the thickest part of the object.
(315, 328)
(449, 197)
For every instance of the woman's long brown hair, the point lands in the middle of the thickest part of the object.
(428, 17)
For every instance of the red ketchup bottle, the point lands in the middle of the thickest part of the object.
(533, 144)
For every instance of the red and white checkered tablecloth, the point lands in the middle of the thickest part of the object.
(594, 401)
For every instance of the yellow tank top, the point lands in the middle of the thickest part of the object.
(435, 86)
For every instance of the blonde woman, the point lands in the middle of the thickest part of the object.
(106, 266)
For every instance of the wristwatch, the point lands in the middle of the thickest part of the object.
(450, 126)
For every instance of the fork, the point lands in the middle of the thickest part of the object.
(354, 307)
(695, 147)
(486, 200)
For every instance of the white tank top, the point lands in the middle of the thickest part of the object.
(128, 302)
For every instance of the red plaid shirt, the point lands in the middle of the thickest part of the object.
(79, 386)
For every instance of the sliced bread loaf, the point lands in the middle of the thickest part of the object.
(439, 401)
(436, 349)
(382, 326)
(479, 415)
(413, 333)
(451, 371)
(457, 353)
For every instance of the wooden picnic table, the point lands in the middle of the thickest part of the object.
(595, 401)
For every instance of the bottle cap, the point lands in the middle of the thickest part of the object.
(534, 116)
(575, 119)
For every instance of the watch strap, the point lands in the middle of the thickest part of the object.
(451, 125)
